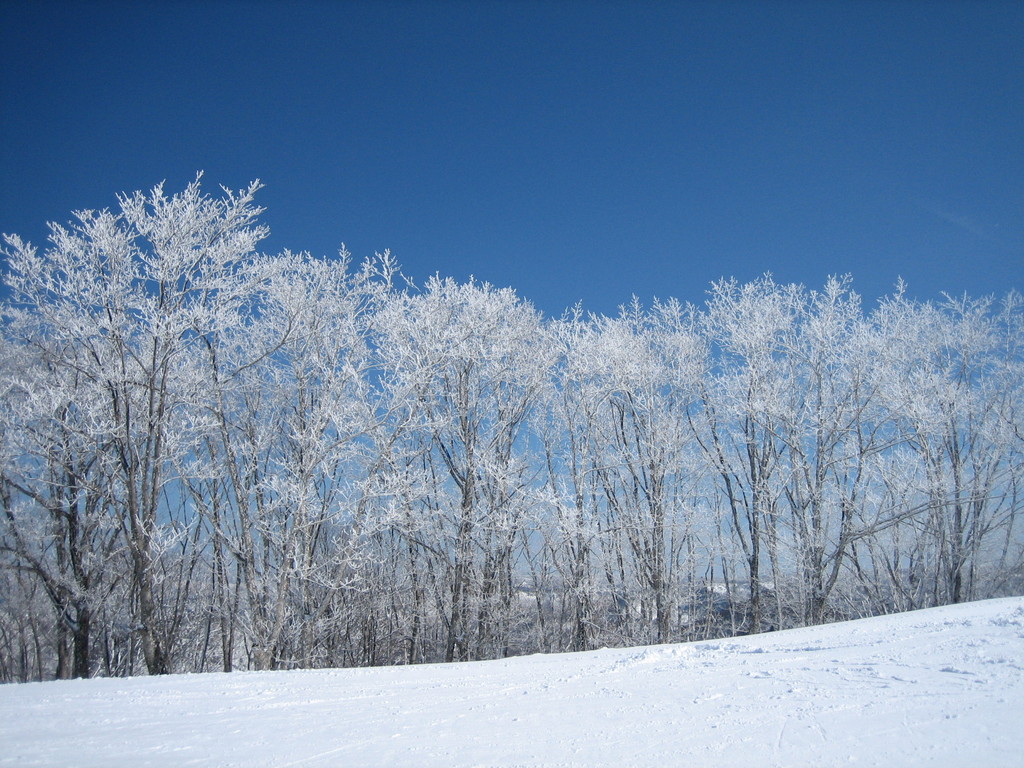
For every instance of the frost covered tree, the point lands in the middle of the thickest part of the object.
(295, 420)
(830, 432)
(952, 386)
(57, 521)
(746, 327)
(644, 365)
(568, 432)
(119, 301)
(463, 367)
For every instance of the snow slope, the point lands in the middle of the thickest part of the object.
(937, 687)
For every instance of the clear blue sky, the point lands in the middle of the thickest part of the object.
(573, 150)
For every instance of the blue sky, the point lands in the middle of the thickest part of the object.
(573, 150)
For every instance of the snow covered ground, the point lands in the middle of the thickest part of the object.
(938, 687)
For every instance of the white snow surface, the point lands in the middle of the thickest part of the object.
(938, 687)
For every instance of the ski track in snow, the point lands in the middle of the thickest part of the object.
(940, 687)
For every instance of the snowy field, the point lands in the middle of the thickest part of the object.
(941, 687)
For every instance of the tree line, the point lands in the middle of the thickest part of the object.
(214, 459)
